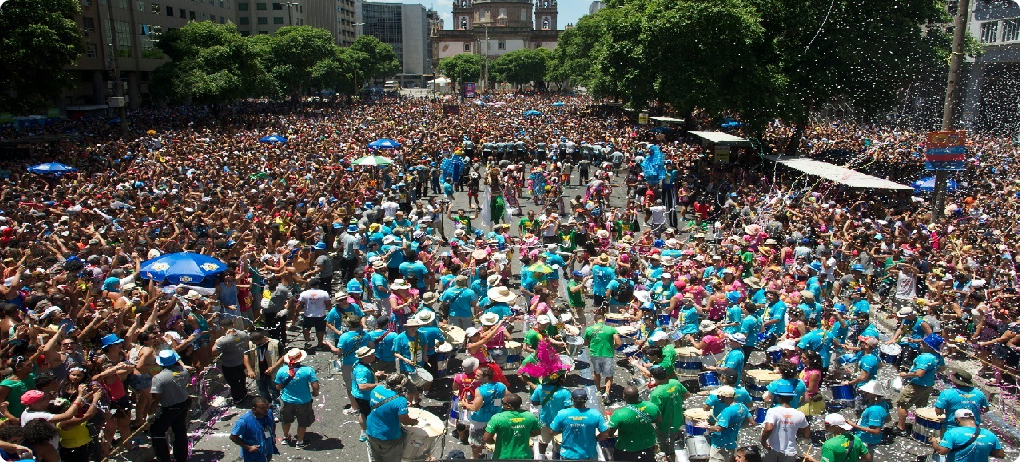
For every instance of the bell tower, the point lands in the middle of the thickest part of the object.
(545, 15)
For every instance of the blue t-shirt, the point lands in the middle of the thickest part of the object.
(253, 432)
(868, 364)
(410, 348)
(777, 311)
(492, 401)
(580, 429)
(432, 337)
(298, 390)
(383, 344)
(379, 280)
(799, 388)
(954, 399)
(873, 417)
(689, 320)
(730, 419)
(361, 375)
(740, 395)
(735, 360)
(554, 259)
(461, 300)
(383, 422)
(812, 340)
(733, 316)
(750, 327)
(415, 270)
(929, 363)
(552, 400)
(501, 309)
(349, 343)
(601, 276)
(978, 451)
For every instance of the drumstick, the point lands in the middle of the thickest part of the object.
(125, 442)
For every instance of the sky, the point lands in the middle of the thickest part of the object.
(570, 10)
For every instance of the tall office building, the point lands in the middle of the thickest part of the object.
(595, 6)
(336, 16)
(405, 27)
(266, 17)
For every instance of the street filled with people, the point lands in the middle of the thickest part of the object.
(509, 277)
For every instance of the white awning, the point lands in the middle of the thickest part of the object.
(722, 139)
(836, 174)
(667, 120)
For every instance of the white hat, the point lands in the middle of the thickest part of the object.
(426, 316)
(643, 296)
(501, 294)
(904, 312)
(874, 387)
(493, 280)
(837, 420)
(707, 326)
(738, 337)
(413, 321)
(296, 355)
(963, 414)
(488, 319)
(470, 332)
(193, 295)
(725, 391)
(543, 319)
(400, 284)
(363, 351)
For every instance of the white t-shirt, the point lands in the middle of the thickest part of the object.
(906, 286)
(786, 421)
(316, 301)
(29, 415)
(389, 208)
(658, 214)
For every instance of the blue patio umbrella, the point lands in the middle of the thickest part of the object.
(181, 268)
(559, 103)
(661, 130)
(927, 184)
(384, 143)
(52, 168)
(273, 139)
(532, 112)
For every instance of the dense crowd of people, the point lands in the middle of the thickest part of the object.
(582, 235)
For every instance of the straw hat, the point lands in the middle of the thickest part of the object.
(707, 326)
(426, 316)
(493, 280)
(479, 254)
(501, 294)
(400, 284)
(413, 321)
(429, 298)
(296, 355)
(378, 264)
(363, 352)
(489, 319)
(602, 259)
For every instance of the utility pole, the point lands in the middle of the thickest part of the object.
(952, 98)
(118, 86)
(290, 14)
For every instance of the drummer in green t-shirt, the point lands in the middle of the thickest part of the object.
(634, 427)
(511, 430)
(602, 341)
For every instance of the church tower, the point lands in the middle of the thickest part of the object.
(545, 15)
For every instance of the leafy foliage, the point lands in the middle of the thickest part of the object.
(40, 38)
(461, 68)
(521, 67)
(372, 58)
(300, 56)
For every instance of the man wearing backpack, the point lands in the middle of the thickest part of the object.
(619, 292)
(967, 442)
(843, 446)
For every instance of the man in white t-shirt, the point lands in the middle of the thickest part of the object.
(316, 303)
(782, 425)
(658, 217)
(389, 207)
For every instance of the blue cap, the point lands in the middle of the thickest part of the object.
(840, 307)
(578, 274)
(110, 339)
(352, 228)
(857, 267)
(320, 245)
(337, 225)
(578, 394)
(167, 358)
(816, 265)
(934, 341)
(784, 390)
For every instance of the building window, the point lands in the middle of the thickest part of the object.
(538, 45)
(148, 43)
(500, 45)
(88, 24)
(86, 3)
(122, 4)
(141, 6)
(277, 6)
(245, 33)
(91, 51)
(467, 47)
(463, 22)
(260, 6)
(546, 22)
(277, 19)
(191, 15)
(244, 20)
(242, 6)
(157, 8)
(262, 20)
(263, 32)
(203, 17)
(170, 11)
(184, 13)
(989, 32)
(524, 14)
(1011, 30)
(221, 3)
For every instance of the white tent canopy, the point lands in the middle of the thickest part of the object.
(836, 174)
(722, 139)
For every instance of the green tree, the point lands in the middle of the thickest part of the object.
(299, 57)
(372, 59)
(210, 63)
(461, 68)
(521, 67)
(39, 39)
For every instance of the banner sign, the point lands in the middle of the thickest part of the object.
(945, 150)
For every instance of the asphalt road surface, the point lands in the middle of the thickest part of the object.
(334, 436)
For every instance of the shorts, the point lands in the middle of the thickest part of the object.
(476, 432)
(667, 438)
(121, 407)
(603, 366)
(720, 455)
(547, 435)
(364, 407)
(776, 456)
(463, 322)
(386, 450)
(139, 382)
(388, 367)
(303, 413)
(318, 323)
(347, 372)
(913, 395)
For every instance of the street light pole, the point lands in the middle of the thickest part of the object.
(952, 98)
(118, 86)
(290, 14)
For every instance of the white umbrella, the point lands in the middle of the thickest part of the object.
(373, 160)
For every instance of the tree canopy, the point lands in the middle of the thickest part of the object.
(521, 67)
(40, 39)
(461, 68)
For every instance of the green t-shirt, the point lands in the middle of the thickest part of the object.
(835, 449)
(17, 388)
(575, 298)
(669, 360)
(634, 431)
(532, 337)
(531, 359)
(669, 398)
(526, 225)
(512, 430)
(600, 340)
